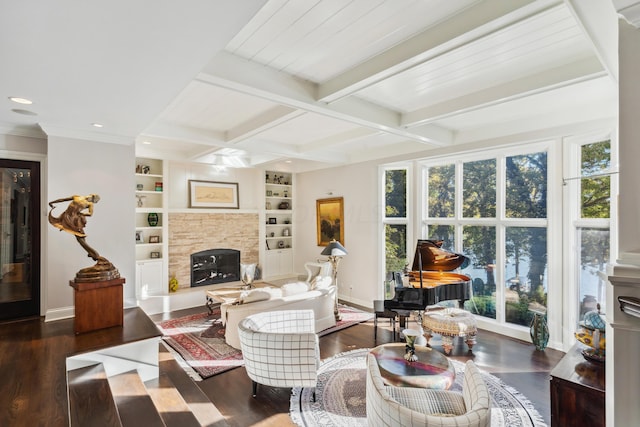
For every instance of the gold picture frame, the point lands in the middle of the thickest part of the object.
(212, 194)
(330, 220)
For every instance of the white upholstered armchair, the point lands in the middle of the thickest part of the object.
(318, 274)
(408, 406)
(280, 348)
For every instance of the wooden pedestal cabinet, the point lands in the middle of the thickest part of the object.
(98, 305)
(577, 391)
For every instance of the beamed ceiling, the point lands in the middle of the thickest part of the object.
(317, 83)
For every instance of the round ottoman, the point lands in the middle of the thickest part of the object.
(450, 323)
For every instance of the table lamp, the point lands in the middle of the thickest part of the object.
(335, 251)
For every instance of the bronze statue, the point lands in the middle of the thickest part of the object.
(73, 220)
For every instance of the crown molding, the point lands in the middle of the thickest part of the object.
(26, 131)
(629, 10)
(53, 130)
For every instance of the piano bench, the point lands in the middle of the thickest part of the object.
(384, 313)
(450, 323)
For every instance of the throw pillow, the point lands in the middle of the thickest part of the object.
(294, 288)
(253, 295)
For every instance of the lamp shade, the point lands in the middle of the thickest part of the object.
(334, 248)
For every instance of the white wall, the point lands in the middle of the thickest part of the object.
(249, 183)
(84, 167)
(359, 278)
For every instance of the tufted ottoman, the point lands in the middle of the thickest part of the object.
(450, 323)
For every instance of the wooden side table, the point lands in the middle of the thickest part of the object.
(577, 391)
(98, 305)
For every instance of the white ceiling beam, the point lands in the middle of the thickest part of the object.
(569, 74)
(543, 128)
(333, 140)
(258, 124)
(475, 22)
(234, 73)
(599, 22)
(388, 151)
(183, 133)
(358, 107)
(293, 151)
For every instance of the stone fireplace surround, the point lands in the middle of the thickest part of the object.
(194, 232)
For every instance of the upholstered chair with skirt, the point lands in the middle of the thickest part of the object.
(280, 348)
(408, 406)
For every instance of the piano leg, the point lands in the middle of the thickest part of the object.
(403, 315)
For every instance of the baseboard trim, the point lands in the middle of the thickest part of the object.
(59, 314)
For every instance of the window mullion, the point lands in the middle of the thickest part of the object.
(501, 260)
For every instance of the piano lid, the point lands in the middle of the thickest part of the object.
(430, 256)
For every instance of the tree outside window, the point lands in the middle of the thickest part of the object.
(395, 224)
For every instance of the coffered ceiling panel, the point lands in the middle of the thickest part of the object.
(194, 107)
(537, 44)
(306, 38)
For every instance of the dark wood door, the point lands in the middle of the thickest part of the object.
(19, 239)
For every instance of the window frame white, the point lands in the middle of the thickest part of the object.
(554, 295)
(407, 220)
(572, 220)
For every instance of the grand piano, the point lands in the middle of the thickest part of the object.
(431, 279)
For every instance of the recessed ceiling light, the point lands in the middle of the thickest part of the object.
(21, 100)
(288, 161)
(24, 112)
(97, 125)
(146, 142)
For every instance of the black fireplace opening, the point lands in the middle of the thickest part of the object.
(215, 266)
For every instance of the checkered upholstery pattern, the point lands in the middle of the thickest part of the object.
(408, 406)
(280, 348)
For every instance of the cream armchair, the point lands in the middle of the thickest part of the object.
(408, 406)
(280, 349)
(319, 274)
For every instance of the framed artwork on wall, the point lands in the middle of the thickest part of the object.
(330, 220)
(211, 194)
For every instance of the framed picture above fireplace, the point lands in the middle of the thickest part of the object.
(211, 194)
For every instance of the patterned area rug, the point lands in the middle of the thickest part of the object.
(340, 396)
(197, 341)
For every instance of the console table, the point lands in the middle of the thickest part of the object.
(577, 391)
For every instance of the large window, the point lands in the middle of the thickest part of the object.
(534, 220)
(501, 225)
(592, 224)
(395, 224)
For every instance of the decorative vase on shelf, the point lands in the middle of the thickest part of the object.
(539, 330)
(152, 219)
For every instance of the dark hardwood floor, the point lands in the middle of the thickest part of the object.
(33, 386)
(517, 363)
